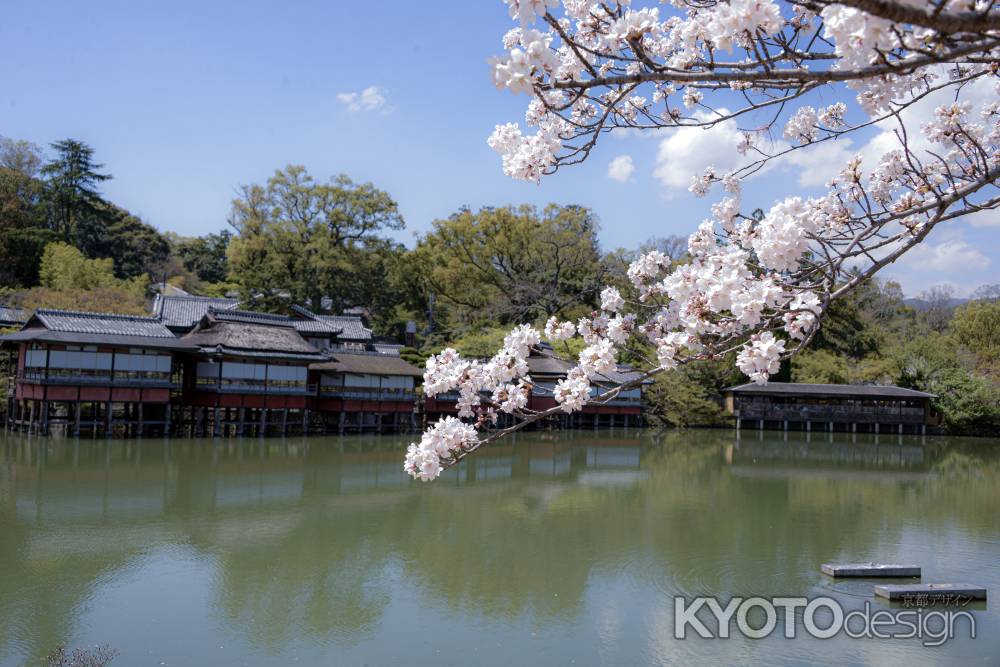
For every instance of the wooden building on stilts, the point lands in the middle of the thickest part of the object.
(93, 372)
(250, 376)
(625, 410)
(366, 391)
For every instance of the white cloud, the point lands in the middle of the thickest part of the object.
(950, 256)
(371, 98)
(987, 218)
(979, 92)
(687, 151)
(819, 163)
(621, 168)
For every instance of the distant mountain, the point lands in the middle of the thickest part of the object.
(920, 304)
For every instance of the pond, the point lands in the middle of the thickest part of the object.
(565, 548)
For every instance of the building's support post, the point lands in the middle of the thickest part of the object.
(199, 421)
(142, 425)
(76, 428)
(923, 429)
(31, 416)
(109, 421)
(305, 421)
(739, 424)
(900, 429)
(167, 416)
(216, 425)
(340, 422)
(263, 422)
(45, 417)
(241, 416)
(284, 421)
(876, 428)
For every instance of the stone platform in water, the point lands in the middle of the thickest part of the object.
(936, 592)
(870, 570)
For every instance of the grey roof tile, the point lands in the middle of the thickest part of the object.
(183, 312)
(351, 328)
(799, 388)
(101, 323)
(11, 316)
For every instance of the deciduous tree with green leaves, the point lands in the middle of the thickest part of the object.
(303, 240)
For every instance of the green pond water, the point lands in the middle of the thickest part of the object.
(563, 548)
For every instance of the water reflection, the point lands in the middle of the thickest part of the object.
(325, 548)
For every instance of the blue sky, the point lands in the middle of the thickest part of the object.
(184, 101)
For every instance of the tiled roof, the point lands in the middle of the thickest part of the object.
(844, 390)
(315, 327)
(543, 365)
(183, 312)
(351, 328)
(251, 317)
(368, 364)
(391, 349)
(101, 323)
(12, 316)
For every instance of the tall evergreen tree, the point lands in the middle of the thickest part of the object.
(72, 181)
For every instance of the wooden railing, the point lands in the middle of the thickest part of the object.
(831, 413)
(104, 379)
(359, 394)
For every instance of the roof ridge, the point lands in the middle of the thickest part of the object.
(110, 316)
(198, 297)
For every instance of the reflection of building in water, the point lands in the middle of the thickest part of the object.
(75, 481)
(830, 406)
(801, 458)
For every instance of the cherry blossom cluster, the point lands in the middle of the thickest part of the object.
(446, 440)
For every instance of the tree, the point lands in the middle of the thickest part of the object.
(71, 281)
(938, 305)
(205, 256)
(303, 240)
(513, 264)
(756, 284)
(967, 403)
(977, 328)
(23, 233)
(21, 156)
(134, 246)
(72, 179)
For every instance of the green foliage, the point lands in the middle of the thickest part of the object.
(967, 402)
(70, 281)
(413, 356)
(205, 256)
(511, 264)
(688, 396)
(135, 247)
(977, 327)
(72, 179)
(303, 240)
(481, 344)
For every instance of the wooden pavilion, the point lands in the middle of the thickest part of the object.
(876, 408)
(93, 371)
